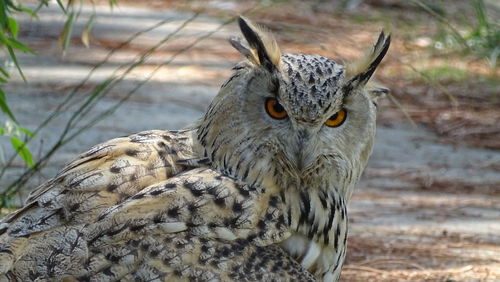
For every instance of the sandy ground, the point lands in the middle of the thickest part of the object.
(424, 210)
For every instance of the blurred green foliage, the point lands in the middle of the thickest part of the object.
(479, 36)
(9, 30)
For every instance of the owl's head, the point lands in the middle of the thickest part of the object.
(293, 118)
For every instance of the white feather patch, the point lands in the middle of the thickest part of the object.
(172, 227)
(312, 255)
(296, 245)
(224, 233)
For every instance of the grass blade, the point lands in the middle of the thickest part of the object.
(22, 150)
(61, 5)
(4, 72)
(14, 59)
(30, 12)
(3, 15)
(13, 27)
(19, 46)
(481, 15)
(113, 3)
(65, 36)
(87, 30)
(5, 107)
(25, 131)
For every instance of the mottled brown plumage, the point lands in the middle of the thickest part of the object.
(237, 196)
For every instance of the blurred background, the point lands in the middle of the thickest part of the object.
(77, 73)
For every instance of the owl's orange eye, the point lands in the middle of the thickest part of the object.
(337, 119)
(275, 109)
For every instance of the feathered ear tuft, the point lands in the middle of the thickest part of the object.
(359, 72)
(263, 48)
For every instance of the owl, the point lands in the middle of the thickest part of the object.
(255, 190)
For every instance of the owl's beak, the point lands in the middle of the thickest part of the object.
(304, 156)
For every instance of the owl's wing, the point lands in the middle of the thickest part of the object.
(131, 209)
(104, 176)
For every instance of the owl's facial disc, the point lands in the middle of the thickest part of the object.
(309, 100)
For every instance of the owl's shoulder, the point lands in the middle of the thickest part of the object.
(104, 176)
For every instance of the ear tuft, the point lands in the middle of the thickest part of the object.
(246, 51)
(263, 49)
(359, 72)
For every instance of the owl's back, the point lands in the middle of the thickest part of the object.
(144, 207)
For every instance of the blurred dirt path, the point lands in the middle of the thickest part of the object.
(425, 210)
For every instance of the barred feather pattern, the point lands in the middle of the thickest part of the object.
(145, 207)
